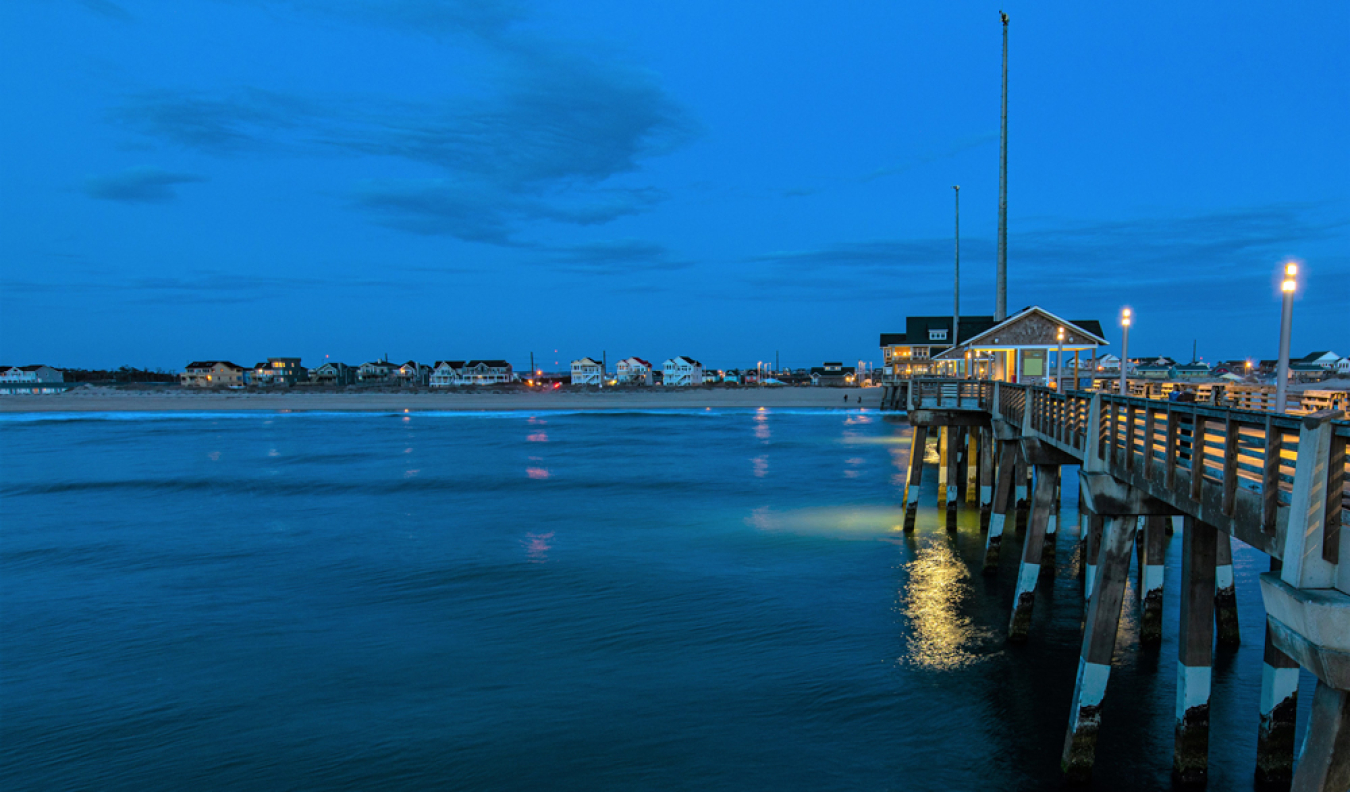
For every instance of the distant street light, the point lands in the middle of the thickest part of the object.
(1124, 347)
(1286, 327)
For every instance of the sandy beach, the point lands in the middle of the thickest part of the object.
(105, 399)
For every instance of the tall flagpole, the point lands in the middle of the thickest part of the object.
(1001, 288)
(956, 290)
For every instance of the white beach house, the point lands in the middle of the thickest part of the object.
(682, 371)
(23, 375)
(211, 374)
(633, 371)
(375, 371)
(454, 373)
(587, 371)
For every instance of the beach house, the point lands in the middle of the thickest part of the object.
(279, 371)
(682, 372)
(211, 374)
(633, 371)
(23, 375)
(1342, 366)
(333, 373)
(412, 373)
(374, 372)
(486, 372)
(1325, 359)
(446, 373)
(832, 374)
(587, 371)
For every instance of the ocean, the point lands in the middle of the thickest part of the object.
(701, 600)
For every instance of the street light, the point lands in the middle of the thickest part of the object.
(1059, 360)
(1124, 347)
(1286, 326)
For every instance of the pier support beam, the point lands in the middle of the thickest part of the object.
(1021, 487)
(1099, 644)
(944, 468)
(988, 460)
(1195, 652)
(1225, 594)
(1325, 762)
(1093, 542)
(973, 453)
(1007, 469)
(1025, 598)
(918, 445)
(1151, 573)
(1279, 710)
(1052, 518)
(954, 440)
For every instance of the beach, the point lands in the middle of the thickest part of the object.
(108, 399)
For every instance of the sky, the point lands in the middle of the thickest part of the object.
(448, 179)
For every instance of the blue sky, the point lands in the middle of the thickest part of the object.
(456, 178)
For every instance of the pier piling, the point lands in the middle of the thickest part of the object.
(918, 443)
(1225, 595)
(1151, 575)
(1007, 468)
(953, 474)
(1099, 644)
(988, 458)
(944, 469)
(973, 465)
(1030, 571)
(1052, 517)
(1195, 652)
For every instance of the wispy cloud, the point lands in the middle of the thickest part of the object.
(107, 8)
(616, 256)
(217, 286)
(1217, 254)
(553, 129)
(139, 185)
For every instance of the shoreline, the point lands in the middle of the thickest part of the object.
(114, 400)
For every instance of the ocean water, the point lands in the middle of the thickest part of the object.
(698, 600)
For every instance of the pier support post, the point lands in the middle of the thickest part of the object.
(1094, 544)
(1279, 711)
(1052, 518)
(988, 459)
(1225, 594)
(953, 474)
(1025, 597)
(973, 464)
(1195, 652)
(1099, 644)
(1007, 469)
(1325, 761)
(944, 453)
(1151, 574)
(1021, 487)
(918, 445)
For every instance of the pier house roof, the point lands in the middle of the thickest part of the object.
(1033, 326)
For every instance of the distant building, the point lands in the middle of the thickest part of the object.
(633, 371)
(834, 374)
(1326, 359)
(1304, 371)
(587, 371)
(1017, 349)
(211, 374)
(412, 373)
(333, 373)
(682, 372)
(1187, 371)
(1157, 371)
(279, 371)
(446, 373)
(1108, 362)
(731, 376)
(30, 374)
(1343, 365)
(486, 372)
(374, 372)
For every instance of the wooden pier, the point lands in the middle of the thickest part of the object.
(1280, 483)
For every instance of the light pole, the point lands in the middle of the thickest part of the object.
(1124, 347)
(1059, 361)
(1286, 327)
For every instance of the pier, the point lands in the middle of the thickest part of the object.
(1280, 483)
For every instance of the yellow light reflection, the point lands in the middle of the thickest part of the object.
(940, 637)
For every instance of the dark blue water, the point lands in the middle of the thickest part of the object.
(689, 600)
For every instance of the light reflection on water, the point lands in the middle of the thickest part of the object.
(940, 636)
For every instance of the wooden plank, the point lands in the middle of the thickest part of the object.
(1173, 438)
(1149, 430)
(1197, 454)
(1270, 480)
(1331, 530)
(1129, 437)
(1230, 473)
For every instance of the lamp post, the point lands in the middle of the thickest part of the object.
(1124, 347)
(1286, 327)
(1059, 361)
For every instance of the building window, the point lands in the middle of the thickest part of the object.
(937, 335)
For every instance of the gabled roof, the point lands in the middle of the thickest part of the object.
(489, 363)
(638, 359)
(213, 364)
(1088, 327)
(586, 361)
(454, 364)
(35, 367)
(686, 359)
(379, 363)
(1316, 356)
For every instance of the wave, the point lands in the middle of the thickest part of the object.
(689, 412)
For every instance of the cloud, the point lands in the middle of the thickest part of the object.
(108, 9)
(550, 136)
(217, 286)
(1217, 254)
(480, 17)
(139, 185)
(616, 256)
